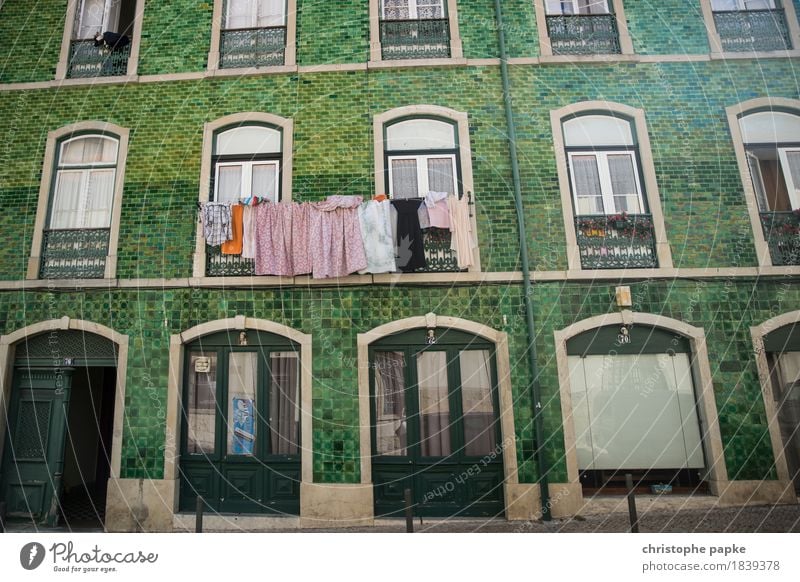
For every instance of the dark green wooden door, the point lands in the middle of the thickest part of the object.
(241, 425)
(33, 457)
(435, 426)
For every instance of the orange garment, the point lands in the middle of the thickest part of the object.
(380, 197)
(234, 246)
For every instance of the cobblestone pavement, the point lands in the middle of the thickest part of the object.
(750, 519)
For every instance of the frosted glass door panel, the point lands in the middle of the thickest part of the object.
(689, 414)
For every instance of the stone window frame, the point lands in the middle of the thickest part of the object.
(461, 121)
(54, 139)
(546, 49)
(290, 54)
(715, 44)
(704, 390)
(456, 48)
(734, 113)
(284, 124)
(651, 192)
(62, 68)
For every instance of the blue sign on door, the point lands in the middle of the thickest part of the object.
(244, 434)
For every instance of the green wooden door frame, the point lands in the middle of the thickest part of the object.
(451, 485)
(259, 483)
(33, 459)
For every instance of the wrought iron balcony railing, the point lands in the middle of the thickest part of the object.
(616, 242)
(252, 47)
(415, 39)
(753, 30)
(74, 253)
(88, 60)
(782, 233)
(583, 34)
(438, 255)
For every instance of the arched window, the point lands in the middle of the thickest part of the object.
(76, 235)
(421, 156)
(247, 162)
(772, 146)
(603, 165)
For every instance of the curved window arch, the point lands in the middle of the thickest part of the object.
(421, 155)
(77, 221)
(247, 162)
(603, 160)
(772, 146)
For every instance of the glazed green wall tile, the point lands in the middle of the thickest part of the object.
(30, 39)
(176, 36)
(332, 32)
(667, 27)
(334, 317)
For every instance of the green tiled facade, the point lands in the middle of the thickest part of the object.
(701, 194)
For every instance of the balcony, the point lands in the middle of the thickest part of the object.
(782, 233)
(624, 241)
(87, 60)
(583, 34)
(753, 30)
(74, 253)
(438, 255)
(252, 47)
(415, 39)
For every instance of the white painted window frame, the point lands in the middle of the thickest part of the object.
(217, 26)
(69, 24)
(49, 171)
(375, 15)
(412, 8)
(422, 176)
(210, 129)
(247, 176)
(254, 16)
(715, 43)
(734, 112)
(647, 167)
(742, 5)
(605, 178)
(461, 120)
(605, 2)
(546, 50)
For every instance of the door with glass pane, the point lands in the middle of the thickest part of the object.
(435, 425)
(785, 369)
(241, 425)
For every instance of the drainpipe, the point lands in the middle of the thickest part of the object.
(534, 388)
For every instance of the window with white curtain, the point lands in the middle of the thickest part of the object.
(97, 16)
(83, 190)
(577, 7)
(247, 162)
(412, 9)
(733, 5)
(254, 13)
(772, 147)
(421, 158)
(603, 165)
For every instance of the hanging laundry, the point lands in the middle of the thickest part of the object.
(438, 211)
(376, 231)
(410, 250)
(463, 238)
(249, 232)
(273, 240)
(216, 217)
(302, 263)
(234, 245)
(337, 247)
(424, 218)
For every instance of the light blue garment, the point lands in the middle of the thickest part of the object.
(376, 230)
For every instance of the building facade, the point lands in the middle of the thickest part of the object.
(658, 149)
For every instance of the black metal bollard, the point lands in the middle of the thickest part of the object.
(631, 503)
(198, 519)
(409, 511)
(2, 517)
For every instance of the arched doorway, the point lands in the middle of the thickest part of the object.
(241, 423)
(58, 448)
(634, 408)
(781, 349)
(435, 424)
